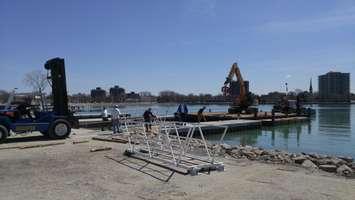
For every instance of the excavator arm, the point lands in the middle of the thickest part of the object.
(226, 88)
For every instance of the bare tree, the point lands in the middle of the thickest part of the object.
(38, 81)
(4, 95)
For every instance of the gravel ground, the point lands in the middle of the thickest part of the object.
(70, 171)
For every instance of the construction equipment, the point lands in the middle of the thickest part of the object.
(55, 124)
(287, 106)
(241, 98)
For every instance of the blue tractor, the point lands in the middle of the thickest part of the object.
(55, 124)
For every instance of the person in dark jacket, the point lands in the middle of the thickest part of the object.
(148, 119)
(200, 115)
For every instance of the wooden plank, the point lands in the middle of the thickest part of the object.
(95, 149)
(41, 145)
(110, 139)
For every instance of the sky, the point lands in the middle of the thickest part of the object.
(183, 45)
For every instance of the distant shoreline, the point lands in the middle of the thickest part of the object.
(147, 103)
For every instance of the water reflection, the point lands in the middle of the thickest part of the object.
(335, 120)
(329, 132)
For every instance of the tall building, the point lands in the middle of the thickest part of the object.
(117, 94)
(310, 87)
(334, 87)
(98, 94)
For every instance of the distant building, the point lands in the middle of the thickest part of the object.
(79, 98)
(146, 96)
(272, 97)
(334, 87)
(98, 95)
(132, 97)
(117, 94)
(310, 87)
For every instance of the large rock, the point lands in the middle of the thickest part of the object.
(249, 154)
(258, 152)
(331, 161)
(328, 168)
(344, 170)
(265, 158)
(309, 165)
(315, 156)
(346, 159)
(337, 161)
(227, 147)
(235, 153)
(299, 159)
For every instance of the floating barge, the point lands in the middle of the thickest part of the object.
(234, 122)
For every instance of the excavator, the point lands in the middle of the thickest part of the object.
(236, 90)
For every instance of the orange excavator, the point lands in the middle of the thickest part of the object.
(236, 90)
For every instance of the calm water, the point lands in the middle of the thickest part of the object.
(329, 132)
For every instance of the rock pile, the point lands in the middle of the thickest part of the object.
(343, 166)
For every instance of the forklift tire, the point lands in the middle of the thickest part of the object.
(59, 129)
(3, 133)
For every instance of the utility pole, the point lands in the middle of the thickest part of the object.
(286, 84)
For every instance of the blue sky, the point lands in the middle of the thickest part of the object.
(182, 45)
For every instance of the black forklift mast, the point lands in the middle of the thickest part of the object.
(59, 86)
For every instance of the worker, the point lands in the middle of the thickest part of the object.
(115, 116)
(104, 116)
(184, 113)
(179, 113)
(148, 119)
(200, 115)
(25, 110)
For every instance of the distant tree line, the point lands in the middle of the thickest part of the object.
(4, 95)
(171, 96)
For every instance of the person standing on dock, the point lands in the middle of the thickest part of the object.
(115, 116)
(200, 115)
(184, 113)
(179, 113)
(148, 119)
(104, 116)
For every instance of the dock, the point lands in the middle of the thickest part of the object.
(233, 125)
(281, 121)
(234, 122)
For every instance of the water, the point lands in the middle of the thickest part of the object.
(329, 131)
(158, 109)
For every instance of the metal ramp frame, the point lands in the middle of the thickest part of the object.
(166, 147)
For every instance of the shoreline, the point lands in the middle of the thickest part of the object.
(341, 165)
(72, 171)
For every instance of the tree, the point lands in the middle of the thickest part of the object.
(3, 96)
(38, 81)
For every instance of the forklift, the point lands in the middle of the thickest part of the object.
(54, 124)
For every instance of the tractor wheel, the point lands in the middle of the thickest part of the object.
(59, 129)
(3, 133)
